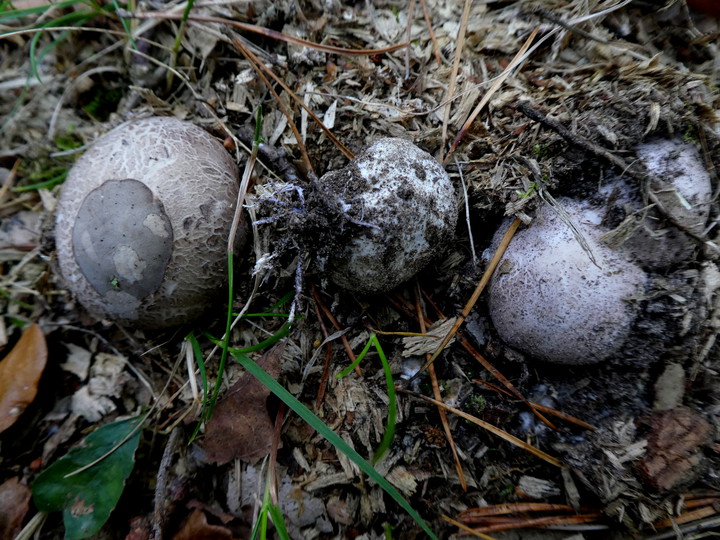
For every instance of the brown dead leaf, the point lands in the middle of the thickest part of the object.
(14, 504)
(674, 457)
(20, 373)
(197, 528)
(240, 426)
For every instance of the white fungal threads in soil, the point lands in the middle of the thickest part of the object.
(399, 210)
(143, 220)
(549, 300)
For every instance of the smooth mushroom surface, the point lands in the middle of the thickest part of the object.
(142, 223)
(547, 297)
(399, 211)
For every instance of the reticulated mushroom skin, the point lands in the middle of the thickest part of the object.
(398, 209)
(548, 299)
(142, 223)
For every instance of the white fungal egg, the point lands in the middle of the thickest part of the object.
(143, 220)
(398, 210)
(685, 190)
(548, 299)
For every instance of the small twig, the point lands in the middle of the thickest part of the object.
(433, 38)
(499, 252)
(5, 189)
(467, 211)
(466, 529)
(258, 66)
(488, 427)
(261, 31)
(543, 408)
(546, 521)
(333, 320)
(438, 395)
(408, 30)
(571, 27)
(518, 59)
(492, 369)
(459, 43)
(346, 152)
(161, 484)
(400, 304)
(272, 465)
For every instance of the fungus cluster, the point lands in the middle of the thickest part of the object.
(144, 217)
(549, 299)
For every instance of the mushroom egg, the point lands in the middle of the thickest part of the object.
(398, 210)
(549, 299)
(143, 220)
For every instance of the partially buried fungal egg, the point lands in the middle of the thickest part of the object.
(398, 211)
(549, 299)
(142, 223)
(683, 186)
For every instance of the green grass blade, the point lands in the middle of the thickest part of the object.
(17, 14)
(225, 342)
(200, 361)
(284, 300)
(47, 184)
(279, 522)
(392, 404)
(255, 530)
(345, 372)
(71, 19)
(333, 438)
(125, 24)
(277, 336)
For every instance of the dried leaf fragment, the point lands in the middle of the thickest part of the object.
(20, 372)
(197, 527)
(240, 426)
(673, 453)
(14, 504)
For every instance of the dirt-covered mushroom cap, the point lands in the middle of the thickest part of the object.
(142, 223)
(548, 299)
(683, 186)
(398, 210)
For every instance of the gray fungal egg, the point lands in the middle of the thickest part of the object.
(548, 299)
(142, 223)
(398, 209)
(685, 191)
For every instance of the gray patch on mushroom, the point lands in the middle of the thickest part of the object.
(122, 239)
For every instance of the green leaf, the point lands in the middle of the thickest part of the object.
(89, 496)
(277, 336)
(333, 438)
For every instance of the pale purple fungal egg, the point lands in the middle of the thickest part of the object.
(548, 299)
